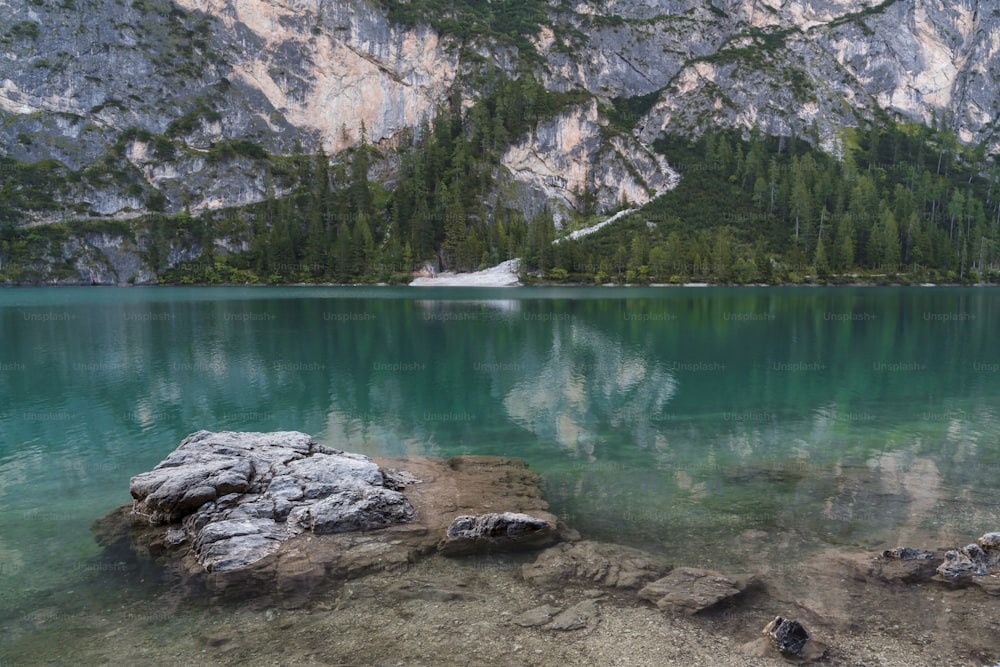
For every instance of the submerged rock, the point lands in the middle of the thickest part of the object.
(690, 590)
(537, 616)
(485, 533)
(902, 565)
(975, 560)
(600, 563)
(792, 640)
(788, 636)
(584, 614)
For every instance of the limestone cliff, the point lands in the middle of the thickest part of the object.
(138, 99)
(567, 156)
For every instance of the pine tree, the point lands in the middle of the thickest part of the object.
(407, 258)
(819, 259)
(844, 254)
(361, 199)
(889, 241)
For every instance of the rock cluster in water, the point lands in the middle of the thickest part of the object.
(238, 510)
(278, 512)
(977, 559)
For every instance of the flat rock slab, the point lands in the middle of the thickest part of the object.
(584, 614)
(507, 531)
(592, 562)
(279, 513)
(690, 590)
(537, 616)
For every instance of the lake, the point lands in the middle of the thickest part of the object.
(669, 419)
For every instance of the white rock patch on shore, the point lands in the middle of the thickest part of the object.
(501, 275)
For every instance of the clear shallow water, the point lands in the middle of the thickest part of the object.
(671, 419)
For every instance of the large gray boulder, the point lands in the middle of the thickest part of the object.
(239, 496)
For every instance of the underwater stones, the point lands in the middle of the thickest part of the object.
(583, 614)
(690, 590)
(975, 560)
(903, 565)
(977, 564)
(907, 554)
(507, 531)
(790, 639)
(599, 563)
(788, 636)
(538, 616)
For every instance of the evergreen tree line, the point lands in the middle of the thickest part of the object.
(903, 201)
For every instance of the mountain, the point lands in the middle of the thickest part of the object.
(125, 122)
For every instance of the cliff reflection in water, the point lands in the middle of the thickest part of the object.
(664, 418)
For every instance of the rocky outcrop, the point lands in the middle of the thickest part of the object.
(813, 64)
(278, 512)
(294, 76)
(330, 69)
(238, 496)
(587, 562)
(691, 590)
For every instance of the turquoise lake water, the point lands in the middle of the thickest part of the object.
(670, 419)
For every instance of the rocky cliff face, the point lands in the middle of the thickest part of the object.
(568, 156)
(135, 97)
(795, 65)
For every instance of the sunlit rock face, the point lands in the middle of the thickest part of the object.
(328, 69)
(566, 157)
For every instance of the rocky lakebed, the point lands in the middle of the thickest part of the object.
(279, 550)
